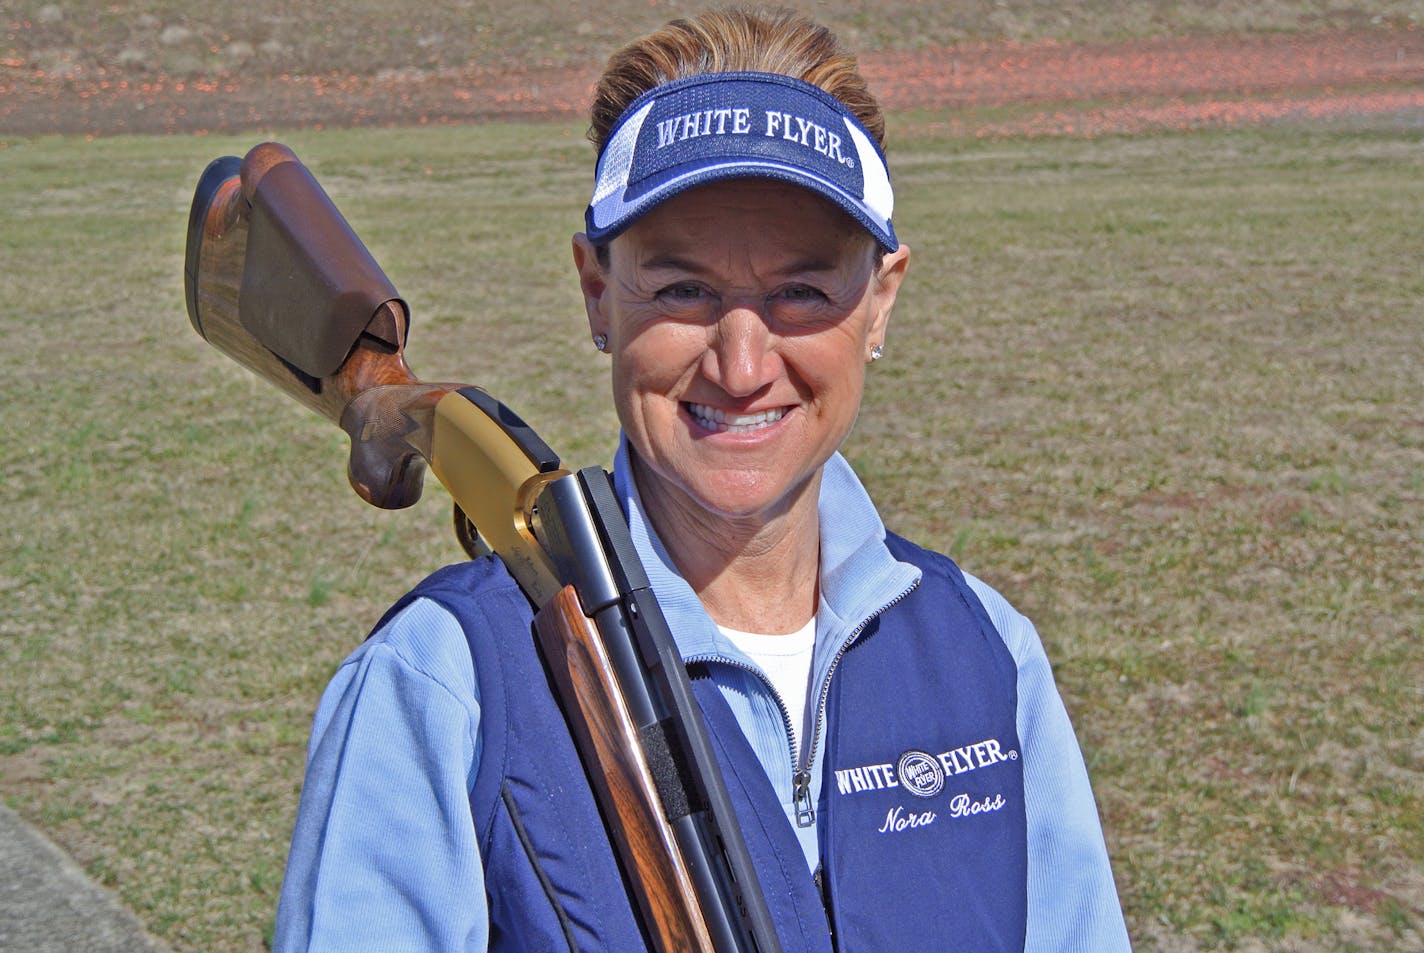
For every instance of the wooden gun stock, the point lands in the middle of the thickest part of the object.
(270, 282)
(276, 279)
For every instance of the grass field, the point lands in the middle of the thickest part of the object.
(1163, 392)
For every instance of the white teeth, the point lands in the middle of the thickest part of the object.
(719, 420)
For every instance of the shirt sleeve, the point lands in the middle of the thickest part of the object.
(384, 854)
(1072, 901)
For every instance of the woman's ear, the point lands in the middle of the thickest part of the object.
(592, 282)
(885, 287)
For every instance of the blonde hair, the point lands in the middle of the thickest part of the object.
(722, 41)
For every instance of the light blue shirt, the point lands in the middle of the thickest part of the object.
(384, 854)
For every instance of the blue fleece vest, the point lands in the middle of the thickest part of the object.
(922, 816)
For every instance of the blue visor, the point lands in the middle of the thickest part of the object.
(738, 126)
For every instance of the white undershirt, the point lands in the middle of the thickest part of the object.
(786, 660)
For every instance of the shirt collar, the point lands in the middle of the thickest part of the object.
(859, 576)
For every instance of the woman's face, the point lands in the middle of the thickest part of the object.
(739, 317)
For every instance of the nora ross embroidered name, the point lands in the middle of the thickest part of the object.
(738, 122)
(898, 820)
(920, 772)
(923, 775)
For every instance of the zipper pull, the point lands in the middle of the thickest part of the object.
(801, 797)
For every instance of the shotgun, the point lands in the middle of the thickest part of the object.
(276, 279)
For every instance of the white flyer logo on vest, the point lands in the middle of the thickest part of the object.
(920, 773)
(925, 776)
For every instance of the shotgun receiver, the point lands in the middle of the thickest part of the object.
(276, 279)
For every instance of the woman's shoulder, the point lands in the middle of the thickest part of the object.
(412, 673)
(1017, 632)
(451, 595)
(420, 645)
(466, 581)
(433, 631)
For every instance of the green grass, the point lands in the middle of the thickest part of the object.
(1163, 392)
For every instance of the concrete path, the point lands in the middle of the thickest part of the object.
(48, 905)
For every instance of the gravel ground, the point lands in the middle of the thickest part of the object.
(1082, 89)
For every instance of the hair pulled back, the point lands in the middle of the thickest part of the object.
(730, 40)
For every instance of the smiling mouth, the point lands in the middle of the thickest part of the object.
(720, 421)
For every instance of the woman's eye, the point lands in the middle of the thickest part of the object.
(802, 294)
(683, 291)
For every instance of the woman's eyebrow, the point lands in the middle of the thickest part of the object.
(670, 261)
(810, 264)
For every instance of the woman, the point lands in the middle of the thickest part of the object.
(901, 764)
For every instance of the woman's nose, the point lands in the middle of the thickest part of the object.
(740, 358)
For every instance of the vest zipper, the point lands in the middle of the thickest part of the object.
(801, 796)
(800, 779)
(805, 813)
(801, 766)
